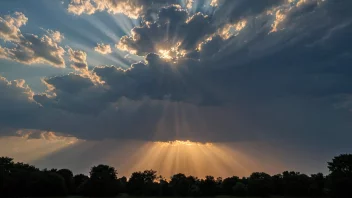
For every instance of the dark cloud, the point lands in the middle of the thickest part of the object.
(16, 105)
(174, 28)
(233, 10)
(281, 75)
(70, 83)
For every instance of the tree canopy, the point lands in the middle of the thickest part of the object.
(21, 180)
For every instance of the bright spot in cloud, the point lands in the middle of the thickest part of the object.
(103, 48)
(279, 17)
(214, 3)
(232, 29)
(174, 53)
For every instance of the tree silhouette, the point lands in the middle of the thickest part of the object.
(208, 186)
(317, 184)
(68, 177)
(239, 189)
(23, 180)
(143, 183)
(295, 183)
(278, 184)
(79, 181)
(180, 185)
(46, 184)
(260, 184)
(228, 184)
(340, 179)
(122, 184)
(102, 182)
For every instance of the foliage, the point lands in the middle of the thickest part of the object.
(340, 179)
(22, 180)
(102, 182)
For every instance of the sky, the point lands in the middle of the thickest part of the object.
(222, 87)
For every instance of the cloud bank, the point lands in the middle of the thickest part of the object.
(250, 70)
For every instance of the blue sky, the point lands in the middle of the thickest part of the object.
(80, 31)
(207, 71)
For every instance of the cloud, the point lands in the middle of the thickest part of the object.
(131, 8)
(214, 3)
(44, 135)
(81, 6)
(13, 91)
(10, 26)
(189, 4)
(16, 104)
(78, 59)
(35, 50)
(29, 48)
(204, 82)
(174, 28)
(56, 35)
(234, 10)
(103, 48)
(71, 83)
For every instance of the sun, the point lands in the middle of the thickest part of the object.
(174, 53)
(165, 54)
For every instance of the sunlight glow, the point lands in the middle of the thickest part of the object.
(31, 146)
(279, 17)
(181, 143)
(232, 29)
(214, 3)
(165, 54)
(184, 156)
(174, 53)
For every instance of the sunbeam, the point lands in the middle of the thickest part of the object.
(179, 156)
(30, 150)
(100, 26)
(200, 87)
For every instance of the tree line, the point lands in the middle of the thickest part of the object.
(23, 180)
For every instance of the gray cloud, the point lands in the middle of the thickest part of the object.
(253, 84)
(233, 10)
(16, 105)
(174, 28)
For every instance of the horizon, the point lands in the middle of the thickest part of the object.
(169, 177)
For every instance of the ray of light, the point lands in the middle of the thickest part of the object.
(95, 59)
(125, 23)
(29, 150)
(167, 158)
(192, 158)
(100, 26)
